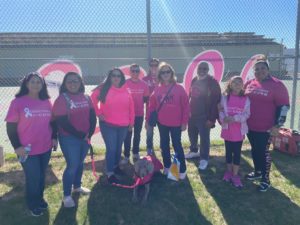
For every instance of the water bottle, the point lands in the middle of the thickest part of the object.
(27, 149)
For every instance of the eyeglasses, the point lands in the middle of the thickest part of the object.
(203, 68)
(135, 71)
(116, 75)
(73, 81)
(165, 72)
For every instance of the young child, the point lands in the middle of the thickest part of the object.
(234, 110)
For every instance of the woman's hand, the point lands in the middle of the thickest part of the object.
(130, 128)
(209, 124)
(20, 151)
(183, 127)
(274, 131)
(101, 117)
(54, 144)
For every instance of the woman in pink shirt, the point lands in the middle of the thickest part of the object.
(30, 127)
(269, 106)
(76, 119)
(140, 95)
(173, 115)
(234, 110)
(116, 116)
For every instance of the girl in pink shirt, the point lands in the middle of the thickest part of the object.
(30, 126)
(173, 115)
(234, 110)
(116, 116)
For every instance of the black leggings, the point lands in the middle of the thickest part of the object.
(233, 152)
(260, 153)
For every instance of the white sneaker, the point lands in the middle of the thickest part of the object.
(182, 176)
(166, 171)
(203, 164)
(124, 161)
(68, 202)
(191, 155)
(82, 190)
(135, 157)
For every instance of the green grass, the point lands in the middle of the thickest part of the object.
(201, 199)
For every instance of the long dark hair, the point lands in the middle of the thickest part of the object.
(43, 94)
(105, 86)
(63, 88)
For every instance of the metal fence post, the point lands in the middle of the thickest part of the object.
(295, 78)
(148, 14)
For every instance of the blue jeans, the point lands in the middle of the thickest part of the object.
(113, 137)
(74, 151)
(35, 168)
(138, 125)
(164, 132)
(195, 128)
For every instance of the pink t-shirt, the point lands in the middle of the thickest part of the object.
(151, 82)
(33, 117)
(265, 97)
(118, 109)
(78, 111)
(138, 90)
(235, 106)
(175, 110)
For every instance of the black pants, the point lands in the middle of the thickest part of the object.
(175, 132)
(138, 124)
(261, 156)
(233, 152)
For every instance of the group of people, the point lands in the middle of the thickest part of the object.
(256, 109)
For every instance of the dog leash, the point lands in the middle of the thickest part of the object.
(93, 161)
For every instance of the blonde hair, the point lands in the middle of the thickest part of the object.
(173, 76)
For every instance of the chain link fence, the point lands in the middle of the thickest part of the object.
(97, 35)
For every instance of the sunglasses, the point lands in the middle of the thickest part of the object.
(154, 65)
(73, 81)
(135, 71)
(116, 75)
(165, 72)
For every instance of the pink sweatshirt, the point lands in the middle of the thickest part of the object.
(118, 108)
(175, 110)
(239, 108)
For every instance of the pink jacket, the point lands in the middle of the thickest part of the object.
(175, 110)
(118, 108)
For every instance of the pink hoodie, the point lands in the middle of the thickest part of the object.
(118, 108)
(175, 110)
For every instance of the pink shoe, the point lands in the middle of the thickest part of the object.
(227, 176)
(236, 181)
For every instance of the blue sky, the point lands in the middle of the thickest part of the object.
(274, 19)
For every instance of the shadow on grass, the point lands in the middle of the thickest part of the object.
(288, 166)
(246, 205)
(169, 203)
(13, 201)
(67, 215)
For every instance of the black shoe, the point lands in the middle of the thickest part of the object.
(118, 171)
(112, 179)
(263, 186)
(43, 205)
(36, 212)
(253, 176)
